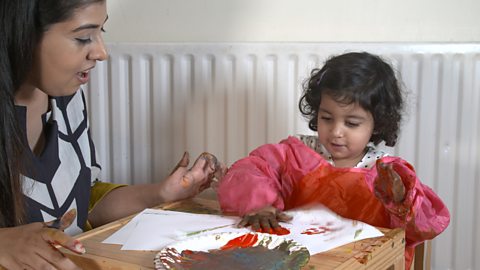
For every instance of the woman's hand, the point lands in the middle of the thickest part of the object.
(185, 183)
(32, 246)
(264, 220)
(388, 184)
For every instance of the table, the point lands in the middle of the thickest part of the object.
(385, 252)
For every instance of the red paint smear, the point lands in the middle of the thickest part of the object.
(317, 230)
(244, 241)
(277, 231)
(281, 231)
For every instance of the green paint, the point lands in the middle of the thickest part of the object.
(357, 233)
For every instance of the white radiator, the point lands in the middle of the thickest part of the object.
(150, 102)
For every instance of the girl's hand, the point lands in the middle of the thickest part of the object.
(185, 183)
(32, 246)
(388, 184)
(265, 220)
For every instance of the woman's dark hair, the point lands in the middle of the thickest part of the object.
(362, 78)
(22, 24)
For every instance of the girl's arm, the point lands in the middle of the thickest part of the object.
(265, 177)
(421, 212)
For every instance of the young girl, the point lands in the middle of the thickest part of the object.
(47, 157)
(354, 102)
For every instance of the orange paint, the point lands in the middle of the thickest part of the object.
(185, 182)
(243, 241)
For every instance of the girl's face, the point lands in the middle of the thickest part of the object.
(344, 130)
(69, 50)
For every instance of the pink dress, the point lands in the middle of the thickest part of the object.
(290, 174)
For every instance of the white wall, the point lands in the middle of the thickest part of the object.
(293, 20)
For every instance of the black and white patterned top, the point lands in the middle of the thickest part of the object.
(368, 160)
(60, 178)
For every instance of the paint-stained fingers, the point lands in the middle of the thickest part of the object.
(252, 220)
(218, 175)
(388, 184)
(204, 171)
(64, 222)
(273, 222)
(201, 170)
(184, 161)
(220, 171)
(266, 223)
(45, 255)
(281, 216)
(206, 163)
(212, 161)
(244, 222)
(398, 188)
(57, 237)
(255, 223)
(383, 183)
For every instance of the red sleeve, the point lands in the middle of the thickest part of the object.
(266, 176)
(422, 213)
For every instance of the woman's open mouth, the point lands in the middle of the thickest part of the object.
(83, 76)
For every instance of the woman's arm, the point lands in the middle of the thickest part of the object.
(181, 184)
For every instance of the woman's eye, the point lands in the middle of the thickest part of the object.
(83, 40)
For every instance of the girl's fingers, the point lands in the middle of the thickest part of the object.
(264, 222)
(244, 222)
(255, 223)
(283, 217)
(274, 222)
(57, 237)
(398, 188)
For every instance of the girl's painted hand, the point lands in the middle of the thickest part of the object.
(33, 246)
(265, 220)
(388, 184)
(185, 183)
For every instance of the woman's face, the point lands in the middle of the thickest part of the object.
(69, 50)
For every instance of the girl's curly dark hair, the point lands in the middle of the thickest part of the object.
(357, 77)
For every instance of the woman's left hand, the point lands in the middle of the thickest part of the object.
(388, 184)
(185, 183)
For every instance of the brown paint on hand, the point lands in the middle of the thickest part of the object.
(389, 183)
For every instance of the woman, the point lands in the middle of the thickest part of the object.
(47, 158)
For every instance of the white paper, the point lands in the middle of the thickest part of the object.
(154, 229)
(333, 230)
